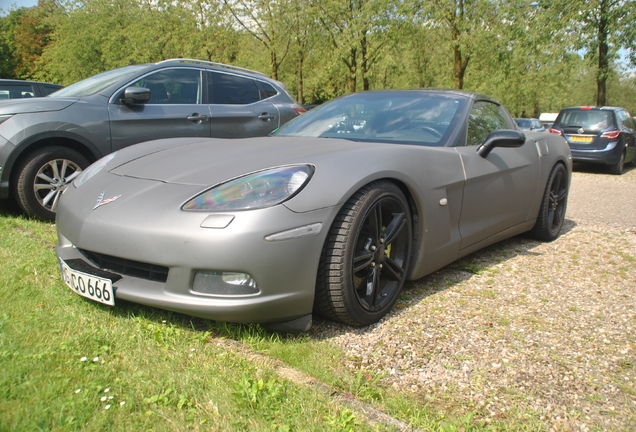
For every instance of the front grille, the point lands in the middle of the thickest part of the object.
(128, 267)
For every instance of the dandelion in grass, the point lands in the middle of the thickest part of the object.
(103, 399)
(83, 359)
(122, 403)
(107, 390)
(78, 390)
(107, 407)
(96, 359)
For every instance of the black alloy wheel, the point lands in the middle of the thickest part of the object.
(365, 260)
(553, 206)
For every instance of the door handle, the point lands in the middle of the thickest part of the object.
(197, 118)
(266, 117)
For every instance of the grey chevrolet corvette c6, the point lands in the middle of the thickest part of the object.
(330, 215)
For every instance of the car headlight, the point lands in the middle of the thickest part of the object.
(93, 169)
(257, 190)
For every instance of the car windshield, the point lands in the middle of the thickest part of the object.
(96, 83)
(394, 117)
(524, 123)
(592, 120)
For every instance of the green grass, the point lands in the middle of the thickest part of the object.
(70, 364)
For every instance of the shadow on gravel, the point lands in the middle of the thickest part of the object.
(592, 168)
(448, 277)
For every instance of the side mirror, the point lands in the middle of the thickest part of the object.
(501, 138)
(136, 95)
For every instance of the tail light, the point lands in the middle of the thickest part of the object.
(556, 131)
(611, 135)
(300, 111)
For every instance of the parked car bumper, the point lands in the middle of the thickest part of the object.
(608, 155)
(286, 284)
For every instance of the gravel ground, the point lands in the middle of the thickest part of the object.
(539, 334)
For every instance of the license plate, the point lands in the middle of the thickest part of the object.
(585, 139)
(87, 285)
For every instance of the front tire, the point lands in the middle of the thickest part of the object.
(42, 178)
(553, 206)
(366, 256)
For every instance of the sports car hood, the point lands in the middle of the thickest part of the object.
(211, 161)
(341, 166)
(34, 105)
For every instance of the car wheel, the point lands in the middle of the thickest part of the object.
(617, 168)
(366, 256)
(553, 206)
(43, 176)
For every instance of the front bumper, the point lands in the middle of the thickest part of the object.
(284, 271)
(608, 155)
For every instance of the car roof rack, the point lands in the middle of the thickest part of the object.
(213, 64)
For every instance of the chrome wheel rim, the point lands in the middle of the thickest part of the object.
(52, 179)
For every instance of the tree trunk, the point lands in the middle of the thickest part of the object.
(274, 65)
(352, 65)
(460, 67)
(365, 63)
(603, 61)
(299, 76)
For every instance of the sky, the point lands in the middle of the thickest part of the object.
(5, 5)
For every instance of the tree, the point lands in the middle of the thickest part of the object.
(260, 18)
(360, 31)
(601, 29)
(25, 35)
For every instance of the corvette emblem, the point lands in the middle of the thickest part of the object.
(101, 201)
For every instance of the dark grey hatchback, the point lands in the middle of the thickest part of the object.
(46, 142)
(603, 135)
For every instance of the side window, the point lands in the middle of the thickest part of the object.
(17, 92)
(626, 119)
(50, 89)
(267, 90)
(173, 86)
(224, 89)
(484, 118)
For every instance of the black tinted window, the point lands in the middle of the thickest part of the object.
(50, 89)
(590, 120)
(485, 117)
(16, 92)
(224, 89)
(173, 86)
(267, 90)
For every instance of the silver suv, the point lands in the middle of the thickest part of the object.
(46, 142)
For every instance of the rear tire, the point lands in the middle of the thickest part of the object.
(618, 167)
(366, 256)
(553, 206)
(42, 178)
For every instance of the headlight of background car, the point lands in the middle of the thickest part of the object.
(93, 169)
(261, 189)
